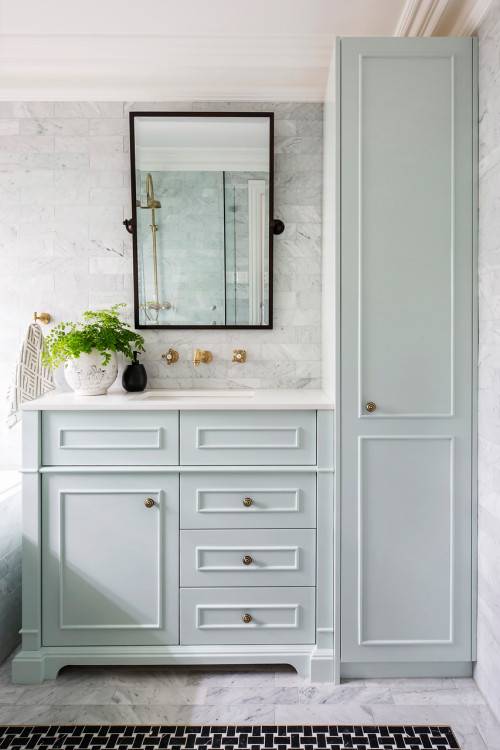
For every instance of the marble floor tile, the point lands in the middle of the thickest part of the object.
(234, 714)
(324, 714)
(256, 695)
(488, 726)
(345, 693)
(69, 695)
(158, 696)
(126, 714)
(435, 697)
(39, 714)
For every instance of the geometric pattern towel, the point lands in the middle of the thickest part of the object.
(228, 737)
(30, 378)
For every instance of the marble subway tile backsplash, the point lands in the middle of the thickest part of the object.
(64, 192)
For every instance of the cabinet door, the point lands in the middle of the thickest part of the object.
(406, 346)
(110, 562)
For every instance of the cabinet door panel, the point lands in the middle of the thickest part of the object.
(406, 345)
(110, 563)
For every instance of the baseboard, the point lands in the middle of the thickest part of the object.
(407, 669)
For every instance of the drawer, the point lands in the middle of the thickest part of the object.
(277, 616)
(110, 438)
(248, 500)
(248, 438)
(248, 557)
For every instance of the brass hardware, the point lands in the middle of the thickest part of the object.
(151, 204)
(158, 306)
(204, 357)
(247, 560)
(149, 502)
(171, 356)
(239, 355)
(370, 406)
(43, 317)
(247, 618)
(247, 502)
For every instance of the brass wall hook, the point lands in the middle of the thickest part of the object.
(171, 356)
(43, 317)
(239, 355)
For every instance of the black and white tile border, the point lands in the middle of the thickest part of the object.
(334, 737)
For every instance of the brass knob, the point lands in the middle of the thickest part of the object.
(149, 502)
(247, 502)
(370, 406)
(247, 560)
(247, 618)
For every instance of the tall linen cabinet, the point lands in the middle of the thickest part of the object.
(406, 355)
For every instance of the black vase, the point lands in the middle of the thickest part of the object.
(134, 376)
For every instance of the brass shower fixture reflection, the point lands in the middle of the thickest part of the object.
(151, 204)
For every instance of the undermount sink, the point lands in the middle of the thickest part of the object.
(228, 395)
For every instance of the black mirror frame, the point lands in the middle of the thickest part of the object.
(133, 221)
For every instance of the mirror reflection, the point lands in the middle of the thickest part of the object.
(201, 197)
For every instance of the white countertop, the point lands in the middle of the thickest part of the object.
(154, 400)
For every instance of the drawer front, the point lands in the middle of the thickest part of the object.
(109, 438)
(255, 557)
(278, 615)
(248, 438)
(248, 500)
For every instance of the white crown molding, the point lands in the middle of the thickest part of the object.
(468, 22)
(420, 17)
(164, 67)
(443, 17)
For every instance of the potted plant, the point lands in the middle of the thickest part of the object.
(88, 349)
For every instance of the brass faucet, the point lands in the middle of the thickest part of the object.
(199, 356)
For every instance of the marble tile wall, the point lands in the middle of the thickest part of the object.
(487, 672)
(10, 569)
(64, 192)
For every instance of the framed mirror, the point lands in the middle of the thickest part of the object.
(202, 198)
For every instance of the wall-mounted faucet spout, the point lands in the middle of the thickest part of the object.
(200, 356)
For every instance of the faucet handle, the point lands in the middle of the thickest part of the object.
(171, 356)
(239, 355)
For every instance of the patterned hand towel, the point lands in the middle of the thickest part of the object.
(30, 378)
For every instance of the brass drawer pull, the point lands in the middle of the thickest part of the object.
(149, 503)
(247, 502)
(247, 618)
(370, 406)
(247, 560)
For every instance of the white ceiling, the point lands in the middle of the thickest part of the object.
(198, 49)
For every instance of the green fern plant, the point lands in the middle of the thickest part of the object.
(101, 330)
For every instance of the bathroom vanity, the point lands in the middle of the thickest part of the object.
(171, 528)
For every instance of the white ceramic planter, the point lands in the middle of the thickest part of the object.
(87, 376)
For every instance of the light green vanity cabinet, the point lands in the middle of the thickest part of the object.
(138, 549)
(406, 338)
(110, 559)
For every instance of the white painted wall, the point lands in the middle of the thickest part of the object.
(487, 672)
